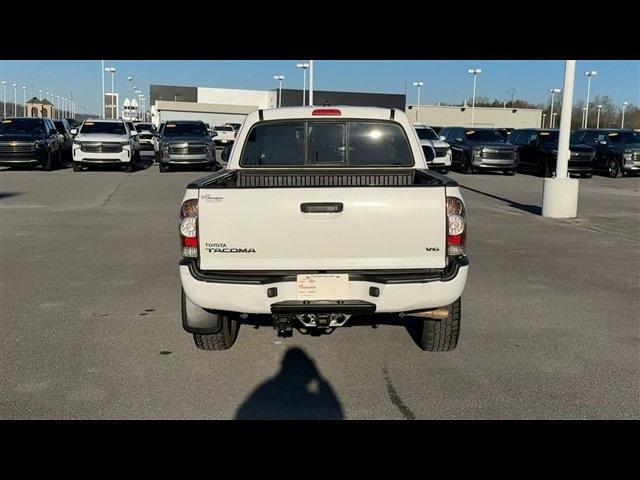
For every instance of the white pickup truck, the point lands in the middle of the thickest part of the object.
(321, 214)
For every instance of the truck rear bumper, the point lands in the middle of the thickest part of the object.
(392, 296)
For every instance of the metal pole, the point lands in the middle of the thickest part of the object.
(473, 101)
(113, 113)
(624, 106)
(586, 123)
(551, 113)
(102, 77)
(4, 98)
(418, 108)
(544, 115)
(280, 94)
(15, 100)
(310, 82)
(304, 87)
(24, 100)
(599, 107)
(562, 162)
(583, 124)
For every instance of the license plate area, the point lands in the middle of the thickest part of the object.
(323, 286)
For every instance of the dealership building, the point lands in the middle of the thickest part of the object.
(217, 106)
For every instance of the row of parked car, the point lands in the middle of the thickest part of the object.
(51, 142)
(614, 152)
(26, 141)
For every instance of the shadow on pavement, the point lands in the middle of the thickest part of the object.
(536, 210)
(297, 392)
(9, 194)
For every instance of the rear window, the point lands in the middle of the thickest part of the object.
(113, 128)
(223, 129)
(21, 126)
(312, 143)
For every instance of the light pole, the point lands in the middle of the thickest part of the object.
(4, 98)
(553, 92)
(57, 97)
(553, 119)
(138, 92)
(584, 110)
(112, 71)
(599, 107)
(304, 67)
(475, 72)
(544, 116)
(15, 100)
(624, 107)
(24, 100)
(419, 85)
(130, 93)
(560, 194)
(280, 78)
(310, 82)
(102, 79)
(590, 74)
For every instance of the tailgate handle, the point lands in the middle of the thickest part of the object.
(323, 207)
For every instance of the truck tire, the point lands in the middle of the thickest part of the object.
(76, 167)
(613, 168)
(510, 173)
(222, 340)
(163, 168)
(128, 168)
(441, 335)
(467, 167)
(48, 166)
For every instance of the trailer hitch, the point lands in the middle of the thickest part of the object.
(283, 324)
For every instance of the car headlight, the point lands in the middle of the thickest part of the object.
(448, 152)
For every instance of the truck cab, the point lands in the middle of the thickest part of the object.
(309, 224)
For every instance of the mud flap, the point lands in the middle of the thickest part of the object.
(198, 320)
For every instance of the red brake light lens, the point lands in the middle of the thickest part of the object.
(328, 112)
(456, 226)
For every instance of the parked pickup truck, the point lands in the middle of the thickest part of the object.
(322, 214)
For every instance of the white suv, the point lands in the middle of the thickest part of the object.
(436, 151)
(104, 142)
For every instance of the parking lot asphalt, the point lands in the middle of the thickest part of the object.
(90, 314)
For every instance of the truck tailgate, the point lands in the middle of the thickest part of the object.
(375, 228)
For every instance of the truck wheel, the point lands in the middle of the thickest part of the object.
(441, 335)
(219, 341)
(444, 171)
(467, 167)
(543, 169)
(163, 168)
(76, 167)
(511, 173)
(613, 169)
(48, 166)
(128, 168)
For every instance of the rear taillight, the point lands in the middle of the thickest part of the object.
(456, 226)
(189, 228)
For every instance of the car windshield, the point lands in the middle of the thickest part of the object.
(624, 137)
(21, 126)
(425, 133)
(484, 136)
(184, 129)
(549, 137)
(144, 127)
(112, 128)
(351, 143)
(223, 129)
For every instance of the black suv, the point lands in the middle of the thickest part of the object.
(30, 142)
(185, 143)
(475, 149)
(64, 129)
(538, 149)
(617, 150)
